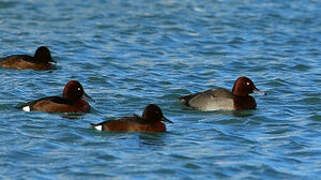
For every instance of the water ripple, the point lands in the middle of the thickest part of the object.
(130, 54)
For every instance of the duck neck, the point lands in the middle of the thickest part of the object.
(238, 92)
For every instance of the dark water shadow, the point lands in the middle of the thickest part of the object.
(152, 140)
(78, 115)
(72, 116)
(239, 113)
(243, 113)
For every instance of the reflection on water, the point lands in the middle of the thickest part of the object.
(152, 140)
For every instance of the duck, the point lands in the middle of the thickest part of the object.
(224, 99)
(150, 121)
(40, 61)
(72, 101)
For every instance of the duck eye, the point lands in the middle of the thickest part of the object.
(78, 89)
(247, 83)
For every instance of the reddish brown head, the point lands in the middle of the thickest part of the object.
(153, 113)
(243, 86)
(74, 91)
(43, 54)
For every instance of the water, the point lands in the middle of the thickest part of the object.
(128, 54)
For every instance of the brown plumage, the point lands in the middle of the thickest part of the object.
(40, 61)
(71, 101)
(150, 121)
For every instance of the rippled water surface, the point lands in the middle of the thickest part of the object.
(128, 54)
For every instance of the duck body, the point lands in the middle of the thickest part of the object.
(150, 121)
(224, 99)
(56, 104)
(40, 61)
(71, 101)
(130, 124)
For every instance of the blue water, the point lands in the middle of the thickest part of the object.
(128, 54)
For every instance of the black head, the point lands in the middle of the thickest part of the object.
(243, 86)
(153, 113)
(43, 54)
(74, 91)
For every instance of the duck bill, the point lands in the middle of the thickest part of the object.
(87, 97)
(166, 120)
(257, 91)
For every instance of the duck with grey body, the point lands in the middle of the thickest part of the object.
(224, 99)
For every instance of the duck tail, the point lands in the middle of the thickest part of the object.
(183, 100)
(27, 107)
(98, 127)
(186, 99)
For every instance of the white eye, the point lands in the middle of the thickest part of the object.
(78, 89)
(247, 83)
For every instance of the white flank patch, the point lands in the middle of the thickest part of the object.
(99, 127)
(26, 108)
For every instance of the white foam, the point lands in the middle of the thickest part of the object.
(26, 108)
(99, 127)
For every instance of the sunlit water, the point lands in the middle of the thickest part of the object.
(128, 54)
